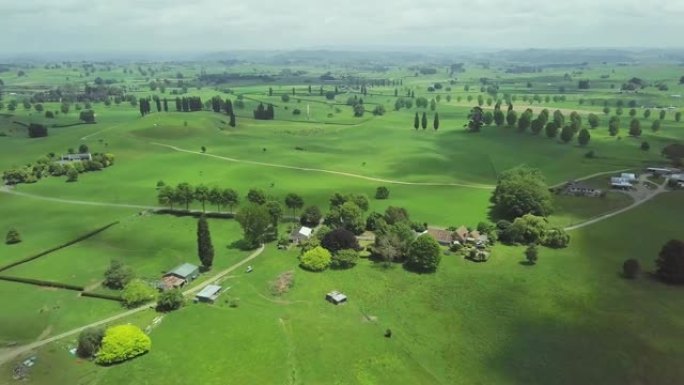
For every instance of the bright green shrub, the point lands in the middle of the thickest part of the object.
(121, 343)
(316, 259)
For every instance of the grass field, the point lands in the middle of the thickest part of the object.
(571, 319)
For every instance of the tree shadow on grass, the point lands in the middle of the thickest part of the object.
(526, 263)
(549, 351)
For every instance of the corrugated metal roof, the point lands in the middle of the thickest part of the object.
(209, 291)
(185, 270)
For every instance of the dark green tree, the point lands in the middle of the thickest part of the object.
(635, 128)
(670, 262)
(311, 216)
(89, 342)
(584, 137)
(205, 249)
(12, 237)
(184, 194)
(435, 122)
(416, 122)
(532, 253)
(117, 276)
(294, 202)
(170, 300)
(424, 121)
(202, 195)
(511, 118)
(567, 133)
(256, 196)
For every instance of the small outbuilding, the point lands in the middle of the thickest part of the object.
(580, 189)
(301, 234)
(209, 293)
(336, 297)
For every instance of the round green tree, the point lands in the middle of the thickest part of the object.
(521, 191)
(424, 255)
(121, 343)
(138, 292)
(316, 259)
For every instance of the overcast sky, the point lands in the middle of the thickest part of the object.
(210, 25)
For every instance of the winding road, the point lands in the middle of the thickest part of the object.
(9, 354)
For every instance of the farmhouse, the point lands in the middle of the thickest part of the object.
(209, 293)
(76, 157)
(580, 189)
(620, 183)
(301, 234)
(180, 276)
(443, 237)
(463, 236)
(336, 297)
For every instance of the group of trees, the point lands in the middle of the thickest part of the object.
(669, 264)
(531, 229)
(423, 121)
(51, 166)
(264, 113)
(185, 194)
(189, 104)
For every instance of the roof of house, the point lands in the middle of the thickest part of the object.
(185, 270)
(209, 291)
(628, 175)
(444, 236)
(620, 181)
(475, 234)
(462, 232)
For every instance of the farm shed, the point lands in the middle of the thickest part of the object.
(185, 272)
(209, 293)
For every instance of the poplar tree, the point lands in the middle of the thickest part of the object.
(205, 249)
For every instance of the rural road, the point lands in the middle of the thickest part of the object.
(350, 175)
(8, 355)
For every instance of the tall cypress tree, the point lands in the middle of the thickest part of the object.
(416, 121)
(179, 105)
(232, 120)
(435, 123)
(166, 105)
(229, 107)
(158, 101)
(205, 249)
(423, 121)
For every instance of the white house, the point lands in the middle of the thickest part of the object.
(620, 183)
(631, 178)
